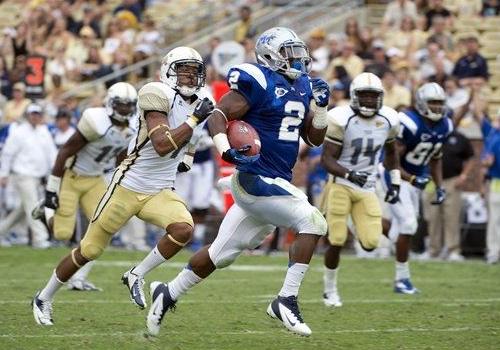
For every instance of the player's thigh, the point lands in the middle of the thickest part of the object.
(338, 209)
(116, 207)
(165, 208)
(279, 203)
(65, 215)
(404, 212)
(239, 230)
(203, 180)
(367, 217)
(90, 199)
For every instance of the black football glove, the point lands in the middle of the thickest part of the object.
(392, 194)
(51, 200)
(203, 110)
(358, 177)
(183, 167)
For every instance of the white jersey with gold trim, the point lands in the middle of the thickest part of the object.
(105, 142)
(144, 170)
(362, 140)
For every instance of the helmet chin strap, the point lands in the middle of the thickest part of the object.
(367, 112)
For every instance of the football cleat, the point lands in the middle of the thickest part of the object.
(135, 285)
(83, 285)
(42, 311)
(287, 311)
(332, 299)
(404, 286)
(161, 302)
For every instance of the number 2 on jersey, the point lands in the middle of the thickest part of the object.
(289, 129)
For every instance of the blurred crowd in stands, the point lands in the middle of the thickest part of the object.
(451, 42)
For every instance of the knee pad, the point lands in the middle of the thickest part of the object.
(223, 258)
(90, 250)
(370, 242)
(62, 234)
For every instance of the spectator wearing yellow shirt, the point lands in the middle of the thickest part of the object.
(395, 95)
(244, 28)
(352, 63)
(14, 109)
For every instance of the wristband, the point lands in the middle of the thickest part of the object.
(319, 120)
(188, 160)
(221, 142)
(395, 177)
(192, 121)
(53, 184)
(346, 175)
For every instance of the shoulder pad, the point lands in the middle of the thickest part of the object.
(94, 123)
(155, 96)
(340, 115)
(408, 122)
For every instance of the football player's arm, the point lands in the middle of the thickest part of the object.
(164, 139)
(232, 106)
(329, 159)
(312, 135)
(436, 165)
(74, 144)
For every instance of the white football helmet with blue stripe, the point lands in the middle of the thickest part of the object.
(281, 50)
(430, 101)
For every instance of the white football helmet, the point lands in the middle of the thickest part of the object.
(281, 50)
(121, 101)
(433, 93)
(173, 60)
(366, 82)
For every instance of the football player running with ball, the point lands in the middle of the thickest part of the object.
(279, 100)
(102, 137)
(356, 135)
(424, 129)
(143, 183)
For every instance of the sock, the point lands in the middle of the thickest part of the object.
(83, 272)
(293, 279)
(51, 288)
(152, 260)
(185, 280)
(402, 270)
(199, 232)
(330, 280)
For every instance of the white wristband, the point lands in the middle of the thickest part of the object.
(395, 177)
(53, 184)
(221, 142)
(188, 160)
(192, 122)
(320, 120)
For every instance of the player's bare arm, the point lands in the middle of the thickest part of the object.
(232, 106)
(75, 143)
(312, 136)
(166, 140)
(329, 159)
(436, 165)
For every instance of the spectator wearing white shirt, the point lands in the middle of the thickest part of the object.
(62, 130)
(27, 157)
(396, 11)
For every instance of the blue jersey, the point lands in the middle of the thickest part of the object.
(277, 111)
(423, 142)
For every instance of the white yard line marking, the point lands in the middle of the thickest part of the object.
(255, 332)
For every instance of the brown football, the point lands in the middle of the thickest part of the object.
(241, 134)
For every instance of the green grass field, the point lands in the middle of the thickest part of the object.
(459, 307)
